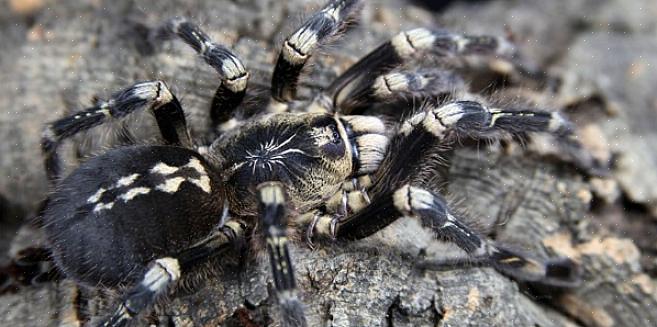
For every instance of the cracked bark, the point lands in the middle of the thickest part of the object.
(65, 54)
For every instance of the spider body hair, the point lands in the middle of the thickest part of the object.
(143, 217)
(109, 191)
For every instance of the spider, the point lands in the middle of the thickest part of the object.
(145, 216)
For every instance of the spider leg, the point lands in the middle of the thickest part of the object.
(470, 118)
(397, 189)
(562, 271)
(433, 212)
(320, 28)
(154, 95)
(163, 273)
(479, 121)
(402, 84)
(430, 130)
(420, 83)
(423, 135)
(271, 197)
(352, 197)
(233, 74)
(403, 47)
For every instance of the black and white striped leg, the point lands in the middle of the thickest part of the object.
(319, 29)
(405, 46)
(473, 119)
(560, 272)
(469, 118)
(271, 196)
(419, 83)
(232, 72)
(418, 148)
(160, 276)
(414, 152)
(163, 273)
(402, 85)
(153, 95)
(434, 214)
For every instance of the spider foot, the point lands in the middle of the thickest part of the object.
(556, 272)
(325, 225)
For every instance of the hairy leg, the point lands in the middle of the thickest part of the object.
(398, 188)
(232, 73)
(163, 273)
(320, 28)
(153, 95)
(402, 84)
(405, 46)
(271, 196)
(432, 211)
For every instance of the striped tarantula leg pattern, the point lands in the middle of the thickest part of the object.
(162, 274)
(413, 44)
(319, 29)
(432, 211)
(271, 197)
(559, 272)
(153, 95)
(232, 72)
(469, 118)
(476, 120)
(402, 84)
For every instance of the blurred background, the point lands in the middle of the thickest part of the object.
(600, 57)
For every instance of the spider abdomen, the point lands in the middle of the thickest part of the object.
(120, 210)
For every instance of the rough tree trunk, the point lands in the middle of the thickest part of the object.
(61, 55)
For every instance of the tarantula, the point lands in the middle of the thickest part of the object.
(143, 216)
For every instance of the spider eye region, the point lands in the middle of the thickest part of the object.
(328, 140)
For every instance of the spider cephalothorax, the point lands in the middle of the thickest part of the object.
(312, 154)
(145, 216)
